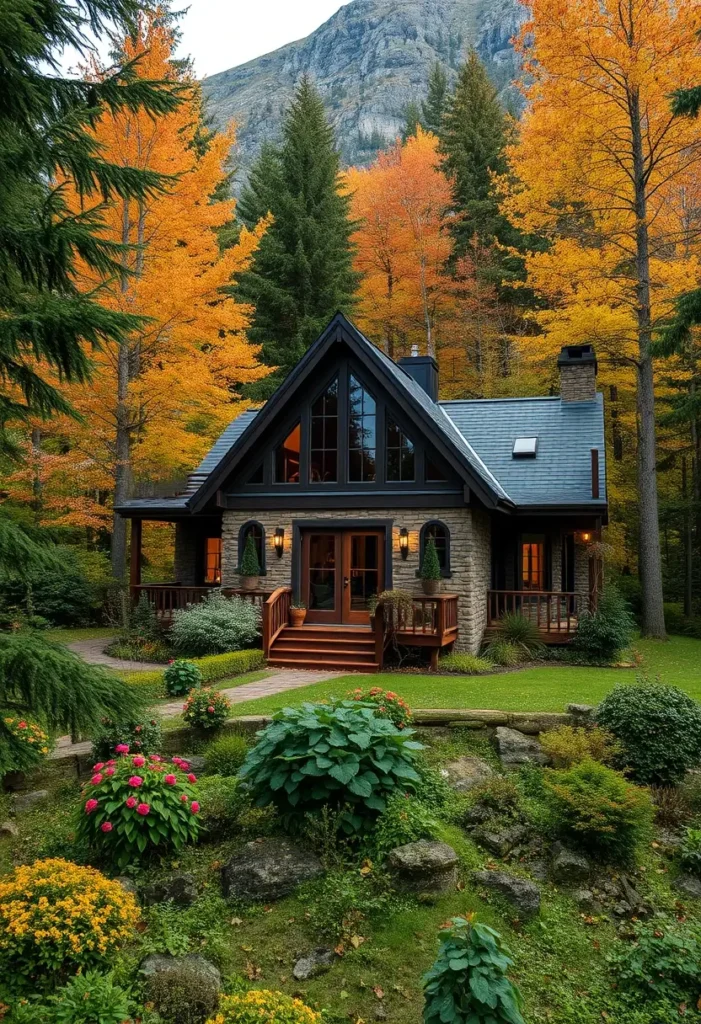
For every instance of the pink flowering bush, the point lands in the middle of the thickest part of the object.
(134, 807)
(206, 708)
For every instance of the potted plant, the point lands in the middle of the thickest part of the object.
(249, 570)
(430, 571)
(298, 613)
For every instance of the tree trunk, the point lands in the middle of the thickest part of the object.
(650, 560)
(122, 465)
(37, 484)
(688, 530)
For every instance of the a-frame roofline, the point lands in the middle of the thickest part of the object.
(428, 415)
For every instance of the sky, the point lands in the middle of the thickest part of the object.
(220, 34)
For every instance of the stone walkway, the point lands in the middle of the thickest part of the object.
(277, 681)
(92, 651)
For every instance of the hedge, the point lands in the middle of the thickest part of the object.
(213, 668)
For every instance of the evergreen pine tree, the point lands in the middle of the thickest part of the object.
(44, 140)
(412, 120)
(302, 272)
(434, 106)
(473, 137)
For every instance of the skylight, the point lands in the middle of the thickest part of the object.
(525, 447)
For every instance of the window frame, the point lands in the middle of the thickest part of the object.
(446, 571)
(350, 371)
(207, 539)
(306, 426)
(393, 421)
(243, 533)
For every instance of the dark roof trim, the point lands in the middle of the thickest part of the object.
(340, 329)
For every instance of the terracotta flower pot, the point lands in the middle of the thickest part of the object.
(297, 616)
(249, 582)
(431, 587)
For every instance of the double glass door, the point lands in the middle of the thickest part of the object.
(341, 571)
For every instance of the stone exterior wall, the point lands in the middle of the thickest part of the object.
(470, 555)
(578, 382)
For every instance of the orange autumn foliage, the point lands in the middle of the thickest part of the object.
(402, 245)
(154, 406)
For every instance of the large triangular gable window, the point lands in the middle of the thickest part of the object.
(362, 433)
(323, 451)
(287, 457)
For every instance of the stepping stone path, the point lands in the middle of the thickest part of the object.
(268, 869)
(523, 895)
(424, 867)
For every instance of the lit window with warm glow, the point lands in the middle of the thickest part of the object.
(287, 458)
(532, 563)
(212, 563)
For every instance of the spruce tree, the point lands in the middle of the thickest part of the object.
(412, 120)
(302, 272)
(473, 136)
(434, 106)
(45, 140)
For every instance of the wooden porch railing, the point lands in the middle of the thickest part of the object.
(552, 612)
(167, 598)
(432, 622)
(276, 615)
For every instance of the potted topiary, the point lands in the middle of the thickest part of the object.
(298, 613)
(249, 570)
(430, 571)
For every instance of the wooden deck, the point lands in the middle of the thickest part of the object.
(555, 614)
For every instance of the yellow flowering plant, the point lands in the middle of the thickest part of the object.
(31, 743)
(261, 1006)
(57, 918)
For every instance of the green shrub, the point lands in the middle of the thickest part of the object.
(91, 998)
(216, 625)
(341, 901)
(404, 820)
(663, 960)
(135, 807)
(504, 653)
(690, 850)
(659, 727)
(183, 995)
(250, 566)
(679, 624)
(223, 800)
(500, 794)
(387, 704)
(260, 1006)
(672, 805)
(603, 635)
(599, 809)
(433, 788)
(518, 631)
(143, 621)
(213, 668)
(465, 664)
(430, 565)
(142, 737)
(468, 984)
(63, 594)
(206, 708)
(224, 756)
(339, 754)
(566, 746)
(181, 676)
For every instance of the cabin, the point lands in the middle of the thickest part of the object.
(346, 472)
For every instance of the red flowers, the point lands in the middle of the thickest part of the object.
(170, 779)
(135, 781)
(194, 806)
(192, 778)
(21, 725)
(131, 801)
(109, 771)
(99, 766)
(143, 809)
(96, 779)
(106, 826)
(138, 761)
(122, 748)
(184, 798)
(90, 806)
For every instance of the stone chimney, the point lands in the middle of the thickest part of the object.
(424, 370)
(578, 368)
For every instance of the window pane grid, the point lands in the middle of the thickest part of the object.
(323, 466)
(287, 458)
(533, 565)
(362, 434)
(440, 539)
(400, 455)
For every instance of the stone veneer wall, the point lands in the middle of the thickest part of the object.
(470, 555)
(578, 382)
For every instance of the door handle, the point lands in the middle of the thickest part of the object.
(345, 581)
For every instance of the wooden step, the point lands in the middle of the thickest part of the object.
(305, 653)
(313, 638)
(305, 644)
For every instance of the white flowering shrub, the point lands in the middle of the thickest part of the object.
(217, 625)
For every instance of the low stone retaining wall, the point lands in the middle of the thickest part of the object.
(182, 740)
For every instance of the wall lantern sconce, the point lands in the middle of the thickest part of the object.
(584, 537)
(279, 541)
(403, 542)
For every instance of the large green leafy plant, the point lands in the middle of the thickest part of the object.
(337, 754)
(468, 984)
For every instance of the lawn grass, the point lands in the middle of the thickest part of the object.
(69, 634)
(543, 688)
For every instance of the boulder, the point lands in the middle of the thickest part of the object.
(522, 894)
(313, 963)
(568, 866)
(500, 841)
(630, 903)
(424, 867)
(180, 889)
(196, 763)
(269, 869)
(8, 829)
(689, 885)
(127, 884)
(587, 901)
(28, 801)
(514, 748)
(159, 962)
(583, 714)
(467, 772)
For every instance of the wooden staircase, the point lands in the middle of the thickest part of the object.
(346, 648)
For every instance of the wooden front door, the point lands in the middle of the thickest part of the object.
(341, 571)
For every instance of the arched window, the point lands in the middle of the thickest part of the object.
(257, 531)
(441, 538)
